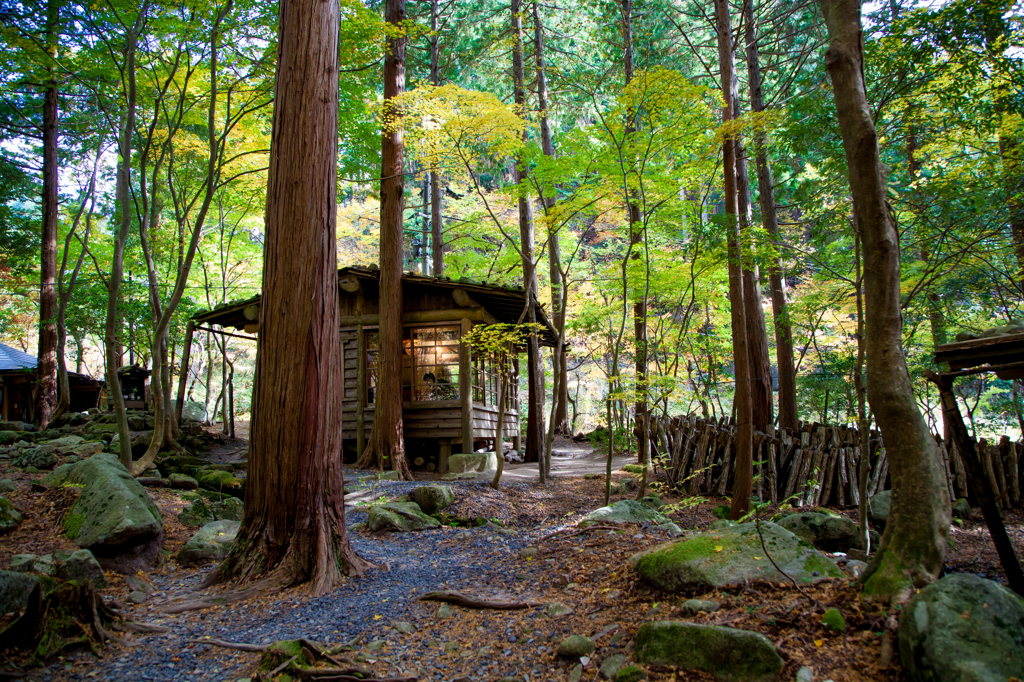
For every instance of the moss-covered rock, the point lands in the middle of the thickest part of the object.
(211, 543)
(727, 653)
(182, 482)
(399, 516)
(201, 511)
(633, 468)
(10, 518)
(113, 511)
(878, 507)
(15, 587)
(833, 620)
(8, 437)
(219, 481)
(575, 646)
(82, 566)
(964, 629)
(625, 511)
(432, 498)
(732, 556)
(826, 532)
(36, 458)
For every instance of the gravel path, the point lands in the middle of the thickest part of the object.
(445, 558)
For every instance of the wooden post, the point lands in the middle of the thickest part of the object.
(183, 378)
(360, 390)
(517, 438)
(466, 388)
(445, 453)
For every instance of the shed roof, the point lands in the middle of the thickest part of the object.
(504, 303)
(12, 359)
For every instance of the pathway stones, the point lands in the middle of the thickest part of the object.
(113, 511)
(732, 556)
(432, 498)
(399, 516)
(727, 653)
(625, 511)
(962, 629)
(210, 544)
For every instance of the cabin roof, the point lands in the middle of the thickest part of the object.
(13, 360)
(995, 350)
(504, 303)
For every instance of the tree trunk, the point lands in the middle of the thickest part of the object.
(863, 425)
(293, 527)
(534, 450)
(914, 542)
(436, 227)
(386, 446)
(499, 433)
(46, 367)
(742, 408)
(770, 220)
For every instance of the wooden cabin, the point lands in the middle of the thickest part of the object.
(18, 381)
(449, 394)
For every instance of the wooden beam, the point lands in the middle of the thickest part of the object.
(472, 314)
(360, 389)
(186, 351)
(463, 299)
(224, 333)
(466, 388)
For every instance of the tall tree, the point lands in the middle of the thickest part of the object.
(535, 371)
(436, 225)
(46, 367)
(740, 352)
(386, 446)
(293, 527)
(914, 542)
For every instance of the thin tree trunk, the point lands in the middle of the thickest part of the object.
(386, 445)
(742, 408)
(436, 226)
(770, 220)
(914, 542)
(46, 367)
(499, 433)
(534, 449)
(293, 527)
(863, 425)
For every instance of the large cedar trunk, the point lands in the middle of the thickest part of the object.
(46, 368)
(386, 446)
(534, 449)
(740, 353)
(914, 542)
(293, 528)
(436, 228)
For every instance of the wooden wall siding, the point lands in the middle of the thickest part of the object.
(416, 298)
(814, 465)
(485, 422)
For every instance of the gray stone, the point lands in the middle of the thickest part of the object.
(113, 510)
(7, 485)
(210, 544)
(692, 607)
(962, 629)
(444, 611)
(82, 567)
(8, 436)
(35, 458)
(727, 653)
(87, 449)
(472, 461)
(962, 509)
(468, 475)
(827, 533)
(10, 518)
(15, 588)
(528, 552)
(805, 674)
(732, 556)
(193, 410)
(625, 511)
(399, 516)
(611, 665)
(856, 567)
(557, 610)
(137, 597)
(628, 486)
(65, 442)
(670, 529)
(722, 524)
(404, 626)
(12, 426)
(575, 646)
(22, 563)
(574, 675)
(31, 563)
(201, 511)
(182, 482)
(653, 501)
(878, 507)
(432, 498)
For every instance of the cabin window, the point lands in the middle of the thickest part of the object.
(430, 363)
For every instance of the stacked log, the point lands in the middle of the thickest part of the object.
(816, 464)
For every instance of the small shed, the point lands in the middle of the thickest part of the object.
(449, 393)
(134, 386)
(18, 381)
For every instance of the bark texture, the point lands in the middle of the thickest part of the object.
(386, 446)
(436, 226)
(293, 528)
(913, 545)
(740, 351)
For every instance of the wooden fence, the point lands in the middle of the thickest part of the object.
(814, 465)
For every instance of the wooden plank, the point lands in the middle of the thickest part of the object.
(465, 384)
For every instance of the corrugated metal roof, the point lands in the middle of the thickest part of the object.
(13, 359)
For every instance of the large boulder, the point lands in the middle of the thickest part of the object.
(82, 567)
(472, 461)
(15, 587)
(12, 426)
(432, 498)
(963, 629)
(878, 507)
(113, 514)
(827, 533)
(210, 544)
(87, 449)
(732, 556)
(727, 653)
(201, 512)
(399, 516)
(9, 436)
(625, 511)
(10, 518)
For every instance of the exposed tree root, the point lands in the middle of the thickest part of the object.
(305, 659)
(269, 585)
(471, 602)
(240, 646)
